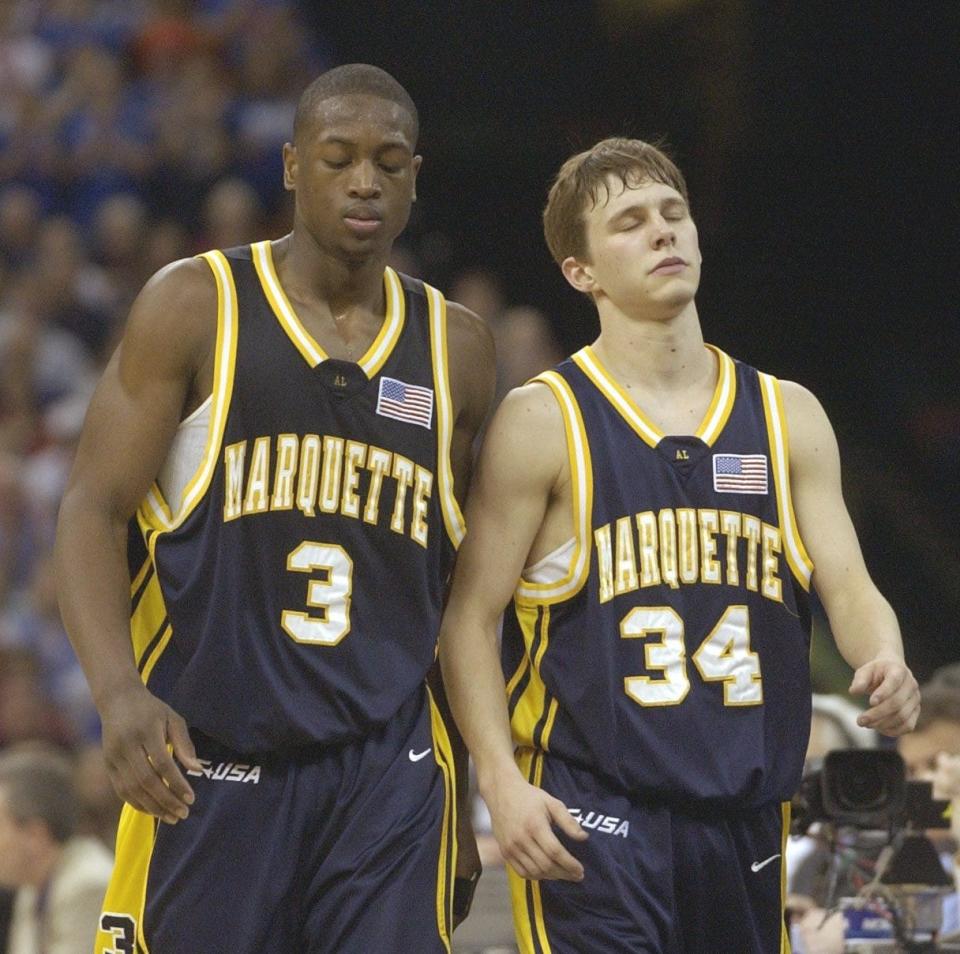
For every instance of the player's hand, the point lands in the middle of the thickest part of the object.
(139, 734)
(894, 696)
(524, 818)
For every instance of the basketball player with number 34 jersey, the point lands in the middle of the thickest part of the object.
(284, 430)
(658, 513)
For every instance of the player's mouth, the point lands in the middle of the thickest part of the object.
(669, 266)
(363, 220)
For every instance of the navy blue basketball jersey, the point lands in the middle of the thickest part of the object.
(294, 594)
(673, 656)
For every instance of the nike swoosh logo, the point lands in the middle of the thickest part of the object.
(416, 756)
(757, 865)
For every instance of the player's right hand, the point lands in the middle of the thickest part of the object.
(141, 737)
(524, 818)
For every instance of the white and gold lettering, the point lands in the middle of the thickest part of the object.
(625, 580)
(403, 474)
(668, 548)
(649, 566)
(422, 486)
(601, 539)
(751, 533)
(330, 474)
(256, 499)
(771, 586)
(687, 544)
(730, 525)
(309, 476)
(378, 463)
(288, 446)
(354, 455)
(709, 527)
(233, 458)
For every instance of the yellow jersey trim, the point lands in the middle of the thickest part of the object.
(785, 832)
(154, 509)
(713, 422)
(531, 707)
(447, 863)
(528, 914)
(581, 479)
(796, 553)
(127, 890)
(449, 506)
(382, 346)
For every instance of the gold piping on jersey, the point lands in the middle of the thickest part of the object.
(581, 481)
(127, 890)
(713, 421)
(378, 352)
(797, 557)
(785, 831)
(154, 509)
(447, 864)
(449, 507)
(532, 708)
(528, 912)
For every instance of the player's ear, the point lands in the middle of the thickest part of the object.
(289, 166)
(417, 160)
(578, 274)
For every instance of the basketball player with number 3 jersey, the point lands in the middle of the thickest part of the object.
(650, 517)
(284, 432)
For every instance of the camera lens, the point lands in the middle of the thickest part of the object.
(865, 790)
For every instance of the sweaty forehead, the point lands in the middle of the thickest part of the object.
(358, 112)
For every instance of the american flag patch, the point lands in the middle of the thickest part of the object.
(405, 402)
(740, 473)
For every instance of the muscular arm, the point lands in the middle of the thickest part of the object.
(128, 430)
(522, 461)
(863, 623)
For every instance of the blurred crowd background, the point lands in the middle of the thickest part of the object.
(820, 143)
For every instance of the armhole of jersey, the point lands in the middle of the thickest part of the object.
(154, 512)
(452, 514)
(581, 482)
(796, 553)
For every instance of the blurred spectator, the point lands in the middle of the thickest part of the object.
(31, 623)
(20, 213)
(60, 876)
(525, 347)
(99, 804)
(26, 714)
(231, 214)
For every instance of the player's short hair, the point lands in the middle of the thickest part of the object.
(38, 784)
(583, 180)
(354, 78)
(938, 702)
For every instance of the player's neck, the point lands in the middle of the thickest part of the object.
(308, 271)
(661, 354)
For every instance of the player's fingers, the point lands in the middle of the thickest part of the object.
(152, 774)
(565, 821)
(863, 679)
(901, 721)
(904, 698)
(179, 737)
(557, 861)
(135, 782)
(521, 862)
(168, 772)
(891, 681)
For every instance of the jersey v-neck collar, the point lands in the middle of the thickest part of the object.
(382, 346)
(713, 421)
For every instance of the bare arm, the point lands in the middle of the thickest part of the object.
(522, 461)
(162, 359)
(863, 623)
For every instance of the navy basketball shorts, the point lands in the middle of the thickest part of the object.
(338, 850)
(657, 880)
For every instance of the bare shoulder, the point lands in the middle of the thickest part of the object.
(811, 434)
(174, 318)
(528, 427)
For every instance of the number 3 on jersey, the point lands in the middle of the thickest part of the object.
(724, 656)
(330, 593)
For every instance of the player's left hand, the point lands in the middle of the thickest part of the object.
(894, 695)
(468, 867)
